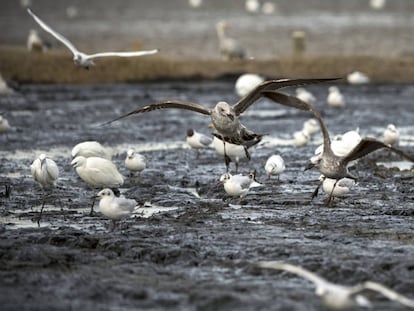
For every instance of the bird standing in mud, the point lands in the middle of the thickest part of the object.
(45, 172)
(135, 162)
(82, 59)
(238, 185)
(198, 141)
(225, 117)
(336, 296)
(115, 208)
(328, 163)
(97, 172)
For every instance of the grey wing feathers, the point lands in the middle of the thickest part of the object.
(165, 105)
(255, 94)
(205, 140)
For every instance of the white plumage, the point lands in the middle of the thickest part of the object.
(235, 152)
(275, 165)
(44, 171)
(310, 127)
(113, 207)
(238, 185)
(357, 77)
(342, 187)
(335, 97)
(4, 125)
(198, 140)
(34, 42)
(229, 47)
(135, 162)
(305, 95)
(246, 83)
(91, 149)
(391, 135)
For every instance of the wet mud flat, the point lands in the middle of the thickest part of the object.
(198, 252)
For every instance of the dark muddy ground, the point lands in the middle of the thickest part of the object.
(198, 256)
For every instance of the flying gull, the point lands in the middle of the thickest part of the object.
(330, 164)
(82, 59)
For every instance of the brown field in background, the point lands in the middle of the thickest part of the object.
(56, 66)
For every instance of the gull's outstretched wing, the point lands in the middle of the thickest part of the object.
(306, 274)
(246, 101)
(122, 54)
(389, 293)
(55, 34)
(368, 145)
(166, 105)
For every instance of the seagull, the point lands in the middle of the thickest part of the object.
(91, 149)
(335, 97)
(82, 59)
(357, 77)
(195, 3)
(252, 6)
(113, 207)
(229, 48)
(310, 127)
(34, 42)
(225, 118)
(135, 162)
(4, 125)
(198, 140)
(275, 165)
(97, 172)
(329, 164)
(269, 8)
(45, 172)
(336, 188)
(391, 135)
(305, 95)
(4, 88)
(235, 153)
(238, 185)
(300, 138)
(336, 296)
(247, 82)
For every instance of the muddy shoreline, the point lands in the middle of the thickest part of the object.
(198, 255)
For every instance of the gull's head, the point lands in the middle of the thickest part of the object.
(314, 162)
(391, 127)
(130, 153)
(224, 109)
(190, 132)
(105, 193)
(42, 159)
(78, 161)
(224, 178)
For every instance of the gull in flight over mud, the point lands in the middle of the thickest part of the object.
(336, 296)
(225, 117)
(82, 59)
(330, 164)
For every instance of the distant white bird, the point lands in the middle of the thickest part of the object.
(300, 138)
(34, 42)
(246, 83)
(269, 8)
(45, 172)
(305, 95)
(229, 47)
(377, 4)
(391, 135)
(97, 172)
(275, 165)
(252, 6)
(198, 140)
(238, 185)
(357, 77)
(335, 97)
(4, 125)
(342, 187)
(135, 162)
(195, 3)
(236, 153)
(72, 12)
(113, 207)
(91, 149)
(4, 88)
(310, 127)
(82, 59)
(336, 296)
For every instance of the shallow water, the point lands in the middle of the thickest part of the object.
(197, 250)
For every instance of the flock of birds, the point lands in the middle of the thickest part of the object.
(231, 139)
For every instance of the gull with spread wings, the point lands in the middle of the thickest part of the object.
(82, 59)
(329, 164)
(225, 117)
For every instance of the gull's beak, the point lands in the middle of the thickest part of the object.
(230, 116)
(309, 166)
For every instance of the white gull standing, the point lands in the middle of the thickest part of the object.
(238, 185)
(135, 162)
(198, 140)
(357, 77)
(335, 97)
(391, 135)
(91, 149)
(113, 207)
(342, 187)
(275, 165)
(305, 95)
(82, 59)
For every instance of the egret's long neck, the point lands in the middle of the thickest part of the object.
(220, 33)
